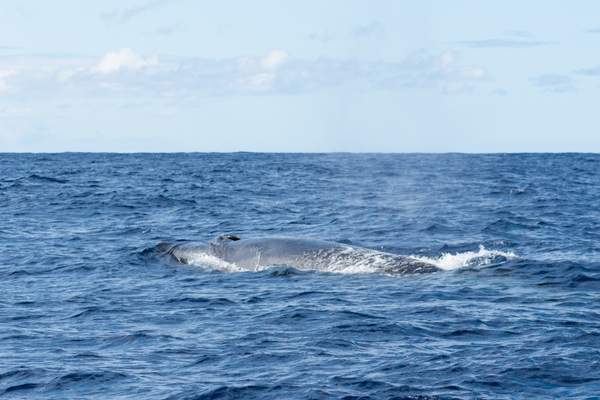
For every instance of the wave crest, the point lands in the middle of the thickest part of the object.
(449, 261)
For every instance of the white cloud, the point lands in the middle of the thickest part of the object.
(124, 59)
(274, 59)
(474, 73)
(260, 74)
(275, 72)
(447, 58)
(258, 82)
(4, 75)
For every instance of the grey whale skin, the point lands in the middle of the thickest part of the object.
(304, 254)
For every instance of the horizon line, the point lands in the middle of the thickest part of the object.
(299, 152)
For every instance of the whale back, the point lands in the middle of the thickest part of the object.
(268, 251)
(313, 255)
(306, 254)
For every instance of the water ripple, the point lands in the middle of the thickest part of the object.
(89, 308)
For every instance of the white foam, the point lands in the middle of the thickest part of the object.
(449, 261)
(200, 259)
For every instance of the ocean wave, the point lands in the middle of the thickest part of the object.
(85, 378)
(42, 178)
(88, 313)
(449, 261)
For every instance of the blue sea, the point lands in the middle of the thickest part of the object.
(89, 310)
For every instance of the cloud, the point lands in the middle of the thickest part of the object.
(277, 72)
(124, 59)
(503, 43)
(373, 28)
(125, 15)
(274, 59)
(595, 71)
(593, 31)
(137, 76)
(4, 75)
(423, 69)
(554, 83)
(474, 72)
(261, 73)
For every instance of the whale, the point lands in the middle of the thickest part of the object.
(253, 254)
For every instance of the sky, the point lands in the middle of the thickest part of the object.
(299, 76)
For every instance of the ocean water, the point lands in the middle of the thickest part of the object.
(89, 310)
